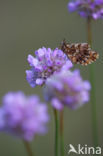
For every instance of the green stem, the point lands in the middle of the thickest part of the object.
(93, 91)
(56, 131)
(28, 149)
(61, 133)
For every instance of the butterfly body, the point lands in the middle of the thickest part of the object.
(79, 53)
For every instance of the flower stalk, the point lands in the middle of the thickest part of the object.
(56, 131)
(93, 91)
(61, 132)
(28, 149)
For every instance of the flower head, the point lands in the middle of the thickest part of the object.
(87, 8)
(23, 116)
(67, 89)
(46, 63)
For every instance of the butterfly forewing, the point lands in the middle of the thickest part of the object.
(79, 53)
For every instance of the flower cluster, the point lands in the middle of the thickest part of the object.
(67, 88)
(23, 116)
(26, 116)
(87, 8)
(62, 86)
(46, 63)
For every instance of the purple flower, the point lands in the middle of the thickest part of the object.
(23, 116)
(67, 88)
(44, 64)
(87, 8)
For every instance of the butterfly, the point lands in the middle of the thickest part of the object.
(79, 53)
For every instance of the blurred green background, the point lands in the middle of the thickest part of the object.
(26, 25)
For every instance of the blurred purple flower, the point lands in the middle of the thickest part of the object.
(23, 116)
(67, 88)
(87, 8)
(46, 63)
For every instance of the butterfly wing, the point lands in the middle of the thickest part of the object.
(79, 53)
